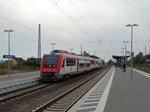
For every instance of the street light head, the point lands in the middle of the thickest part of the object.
(53, 43)
(6, 30)
(135, 25)
(125, 41)
(9, 30)
(128, 25)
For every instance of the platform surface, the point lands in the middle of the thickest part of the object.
(129, 95)
(121, 94)
(18, 81)
(19, 76)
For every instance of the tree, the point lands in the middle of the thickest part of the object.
(139, 59)
(32, 62)
(110, 62)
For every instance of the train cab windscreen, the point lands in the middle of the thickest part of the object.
(50, 61)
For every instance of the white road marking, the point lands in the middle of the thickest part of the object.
(143, 73)
(102, 103)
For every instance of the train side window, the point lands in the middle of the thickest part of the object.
(92, 62)
(63, 64)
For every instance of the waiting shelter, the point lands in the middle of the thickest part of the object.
(120, 60)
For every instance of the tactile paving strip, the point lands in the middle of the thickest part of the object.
(91, 101)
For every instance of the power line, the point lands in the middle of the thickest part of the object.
(28, 12)
(82, 17)
(72, 20)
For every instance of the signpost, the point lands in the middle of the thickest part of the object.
(9, 56)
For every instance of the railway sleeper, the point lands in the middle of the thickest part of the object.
(60, 107)
(60, 104)
(54, 109)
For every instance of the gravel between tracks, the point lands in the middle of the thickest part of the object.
(29, 102)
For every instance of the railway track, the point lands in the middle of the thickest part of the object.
(22, 92)
(66, 99)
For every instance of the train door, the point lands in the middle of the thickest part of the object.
(77, 66)
(63, 67)
(90, 65)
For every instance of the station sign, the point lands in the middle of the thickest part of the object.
(8, 56)
(125, 57)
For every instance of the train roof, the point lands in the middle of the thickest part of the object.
(72, 55)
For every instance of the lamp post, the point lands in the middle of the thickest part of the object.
(8, 31)
(125, 48)
(53, 45)
(71, 50)
(131, 25)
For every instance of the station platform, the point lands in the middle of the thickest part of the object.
(17, 81)
(117, 92)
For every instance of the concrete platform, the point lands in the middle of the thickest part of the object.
(129, 95)
(120, 93)
(17, 81)
(90, 101)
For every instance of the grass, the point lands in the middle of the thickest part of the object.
(14, 70)
(143, 68)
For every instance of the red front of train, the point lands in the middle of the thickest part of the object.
(60, 65)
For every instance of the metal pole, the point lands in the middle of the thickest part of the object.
(145, 50)
(53, 47)
(131, 51)
(9, 54)
(8, 31)
(39, 42)
(81, 49)
(125, 49)
(129, 25)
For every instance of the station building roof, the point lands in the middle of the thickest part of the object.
(120, 57)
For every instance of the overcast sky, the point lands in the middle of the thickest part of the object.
(97, 25)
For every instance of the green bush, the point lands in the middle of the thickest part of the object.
(32, 62)
(139, 60)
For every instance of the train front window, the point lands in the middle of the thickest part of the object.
(50, 61)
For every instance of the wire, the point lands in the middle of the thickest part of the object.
(33, 15)
(72, 20)
(82, 17)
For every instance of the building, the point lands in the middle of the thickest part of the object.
(1, 61)
(120, 60)
(16, 61)
(148, 62)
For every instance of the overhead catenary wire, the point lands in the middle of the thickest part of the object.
(96, 43)
(28, 12)
(40, 19)
(83, 18)
(72, 20)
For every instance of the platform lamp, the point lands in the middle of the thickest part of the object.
(71, 50)
(131, 25)
(53, 45)
(125, 48)
(8, 31)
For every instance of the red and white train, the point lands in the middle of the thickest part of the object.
(61, 64)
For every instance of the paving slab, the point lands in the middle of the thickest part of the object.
(129, 95)
(19, 76)
(18, 81)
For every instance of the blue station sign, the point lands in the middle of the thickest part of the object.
(8, 56)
